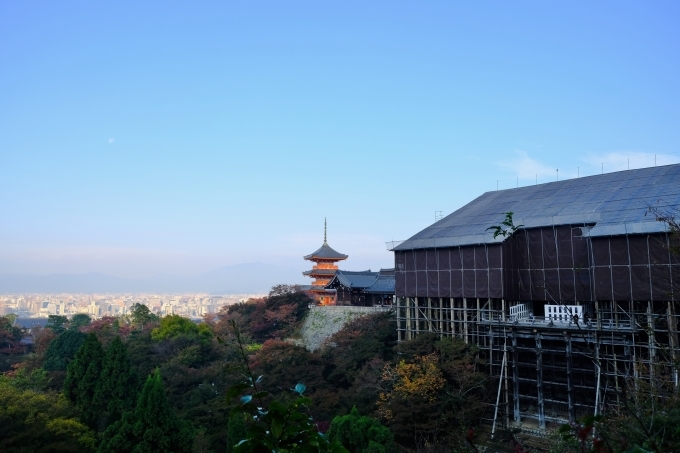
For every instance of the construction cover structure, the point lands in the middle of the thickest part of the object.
(575, 296)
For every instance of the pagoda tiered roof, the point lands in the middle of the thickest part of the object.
(325, 252)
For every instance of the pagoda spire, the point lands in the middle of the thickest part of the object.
(324, 231)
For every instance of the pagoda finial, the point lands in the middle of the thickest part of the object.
(324, 230)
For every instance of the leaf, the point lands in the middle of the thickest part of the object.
(236, 390)
(245, 399)
(300, 388)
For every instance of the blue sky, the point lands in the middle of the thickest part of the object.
(146, 137)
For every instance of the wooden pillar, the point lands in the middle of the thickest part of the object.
(505, 379)
(539, 381)
(452, 316)
(429, 315)
(399, 305)
(416, 316)
(652, 341)
(570, 382)
(465, 321)
(409, 323)
(441, 315)
(478, 325)
(673, 340)
(598, 369)
(515, 378)
(491, 354)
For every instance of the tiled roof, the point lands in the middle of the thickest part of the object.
(320, 272)
(615, 203)
(326, 252)
(384, 284)
(353, 279)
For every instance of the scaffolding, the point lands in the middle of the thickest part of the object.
(551, 369)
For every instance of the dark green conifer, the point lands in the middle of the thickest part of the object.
(63, 350)
(151, 428)
(117, 388)
(82, 376)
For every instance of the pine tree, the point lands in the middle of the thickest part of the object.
(151, 428)
(117, 388)
(82, 376)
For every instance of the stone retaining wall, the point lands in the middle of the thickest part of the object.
(323, 321)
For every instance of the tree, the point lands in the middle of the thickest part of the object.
(412, 401)
(361, 434)
(142, 315)
(236, 430)
(62, 350)
(284, 290)
(39, 422)
(10, 337)
(173, 326)
(83, 373)
(276, 426)
(57, 323)
(79, 320)
(117, 387)
(151, 428)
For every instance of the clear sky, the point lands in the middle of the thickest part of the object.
(146, 137)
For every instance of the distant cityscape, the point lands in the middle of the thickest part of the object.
(100, 305)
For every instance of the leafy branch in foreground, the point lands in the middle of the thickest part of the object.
(275, 426)
(507, 227)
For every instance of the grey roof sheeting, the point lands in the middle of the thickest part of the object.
(369, 282)
(384, 284)
(326, 252)
(615, 203)
(354, 279)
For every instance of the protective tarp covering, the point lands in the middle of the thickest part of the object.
(545, 264)
(634, 267)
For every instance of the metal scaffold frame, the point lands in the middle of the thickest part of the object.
(553, 371)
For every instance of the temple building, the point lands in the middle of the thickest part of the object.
(363, 288)
(325, 261)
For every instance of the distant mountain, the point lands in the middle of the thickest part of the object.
(238, 278)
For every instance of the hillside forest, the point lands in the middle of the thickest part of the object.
(239, 382)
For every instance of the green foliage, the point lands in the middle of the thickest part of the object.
(141, 315)
(82, 376)
(151, 428)
(361, 434)
(174, 326)
(277, 426)
(236, 430)
(34, 421)
(79, 320)
(507, 227)
(57, 323)
(62, 350)
(36, 380)
(360, 341)
(419, 409)
(10, 337)
(117, 387)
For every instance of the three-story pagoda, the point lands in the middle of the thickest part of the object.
(323, 271)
